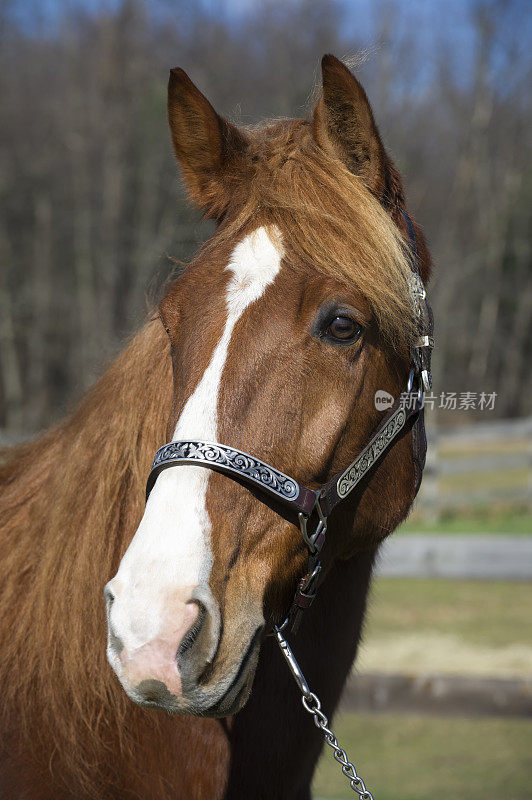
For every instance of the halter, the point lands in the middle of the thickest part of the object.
(317, 505)
(311, 504)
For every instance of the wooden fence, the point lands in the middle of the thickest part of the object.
(486, 464)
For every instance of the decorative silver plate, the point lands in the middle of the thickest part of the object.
(371, 453)
(227, 459)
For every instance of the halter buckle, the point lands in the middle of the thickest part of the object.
(422, 386)
(423, 346)
(314, 541)
(426, 378)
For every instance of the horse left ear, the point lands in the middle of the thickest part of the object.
(207, 146)
(344, 125)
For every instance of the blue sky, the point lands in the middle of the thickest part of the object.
(453, 15)
(432, 20)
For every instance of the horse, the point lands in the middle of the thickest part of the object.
(274, 340)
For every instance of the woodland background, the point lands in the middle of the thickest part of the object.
(92, 210)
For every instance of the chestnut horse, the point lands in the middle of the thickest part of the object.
(273, 340)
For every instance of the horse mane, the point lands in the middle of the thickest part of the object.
(328, 218)
(68, 506)
(71, 499)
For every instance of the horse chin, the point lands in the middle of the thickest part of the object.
(229, 696)
(228, 706)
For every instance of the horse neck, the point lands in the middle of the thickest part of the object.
(273, 732)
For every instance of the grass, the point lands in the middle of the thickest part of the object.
(481, 612)
(514, 521)
(407, 757)
(465, 449)
(460, 627)
(484, 481)
(467, 625)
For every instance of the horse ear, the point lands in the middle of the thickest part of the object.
(206, 145)
(344, 125)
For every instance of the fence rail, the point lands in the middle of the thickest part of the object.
(479, 465)
(479, 557)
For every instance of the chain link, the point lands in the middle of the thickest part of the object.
(312, 705)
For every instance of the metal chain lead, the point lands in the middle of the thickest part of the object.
(312, 705)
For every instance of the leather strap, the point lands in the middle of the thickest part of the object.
(420, 354)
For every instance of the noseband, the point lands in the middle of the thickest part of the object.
(318, 504)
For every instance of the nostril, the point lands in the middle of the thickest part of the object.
(115, 643)
(109, 596)
(192, 634)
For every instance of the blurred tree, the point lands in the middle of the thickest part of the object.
(91, 209)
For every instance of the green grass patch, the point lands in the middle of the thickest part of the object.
(488, 447)
(407, 757)
(514, 521)
(485, 613)
(484, 481)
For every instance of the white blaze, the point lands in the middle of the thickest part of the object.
(171, 549)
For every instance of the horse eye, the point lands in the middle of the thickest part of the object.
(343, 329)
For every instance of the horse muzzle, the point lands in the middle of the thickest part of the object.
(175, 661)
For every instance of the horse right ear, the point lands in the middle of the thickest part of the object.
(344, 125)
(206, 145)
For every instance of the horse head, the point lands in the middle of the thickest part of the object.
(291, 319)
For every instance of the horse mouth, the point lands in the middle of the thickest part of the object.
(235, 696)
